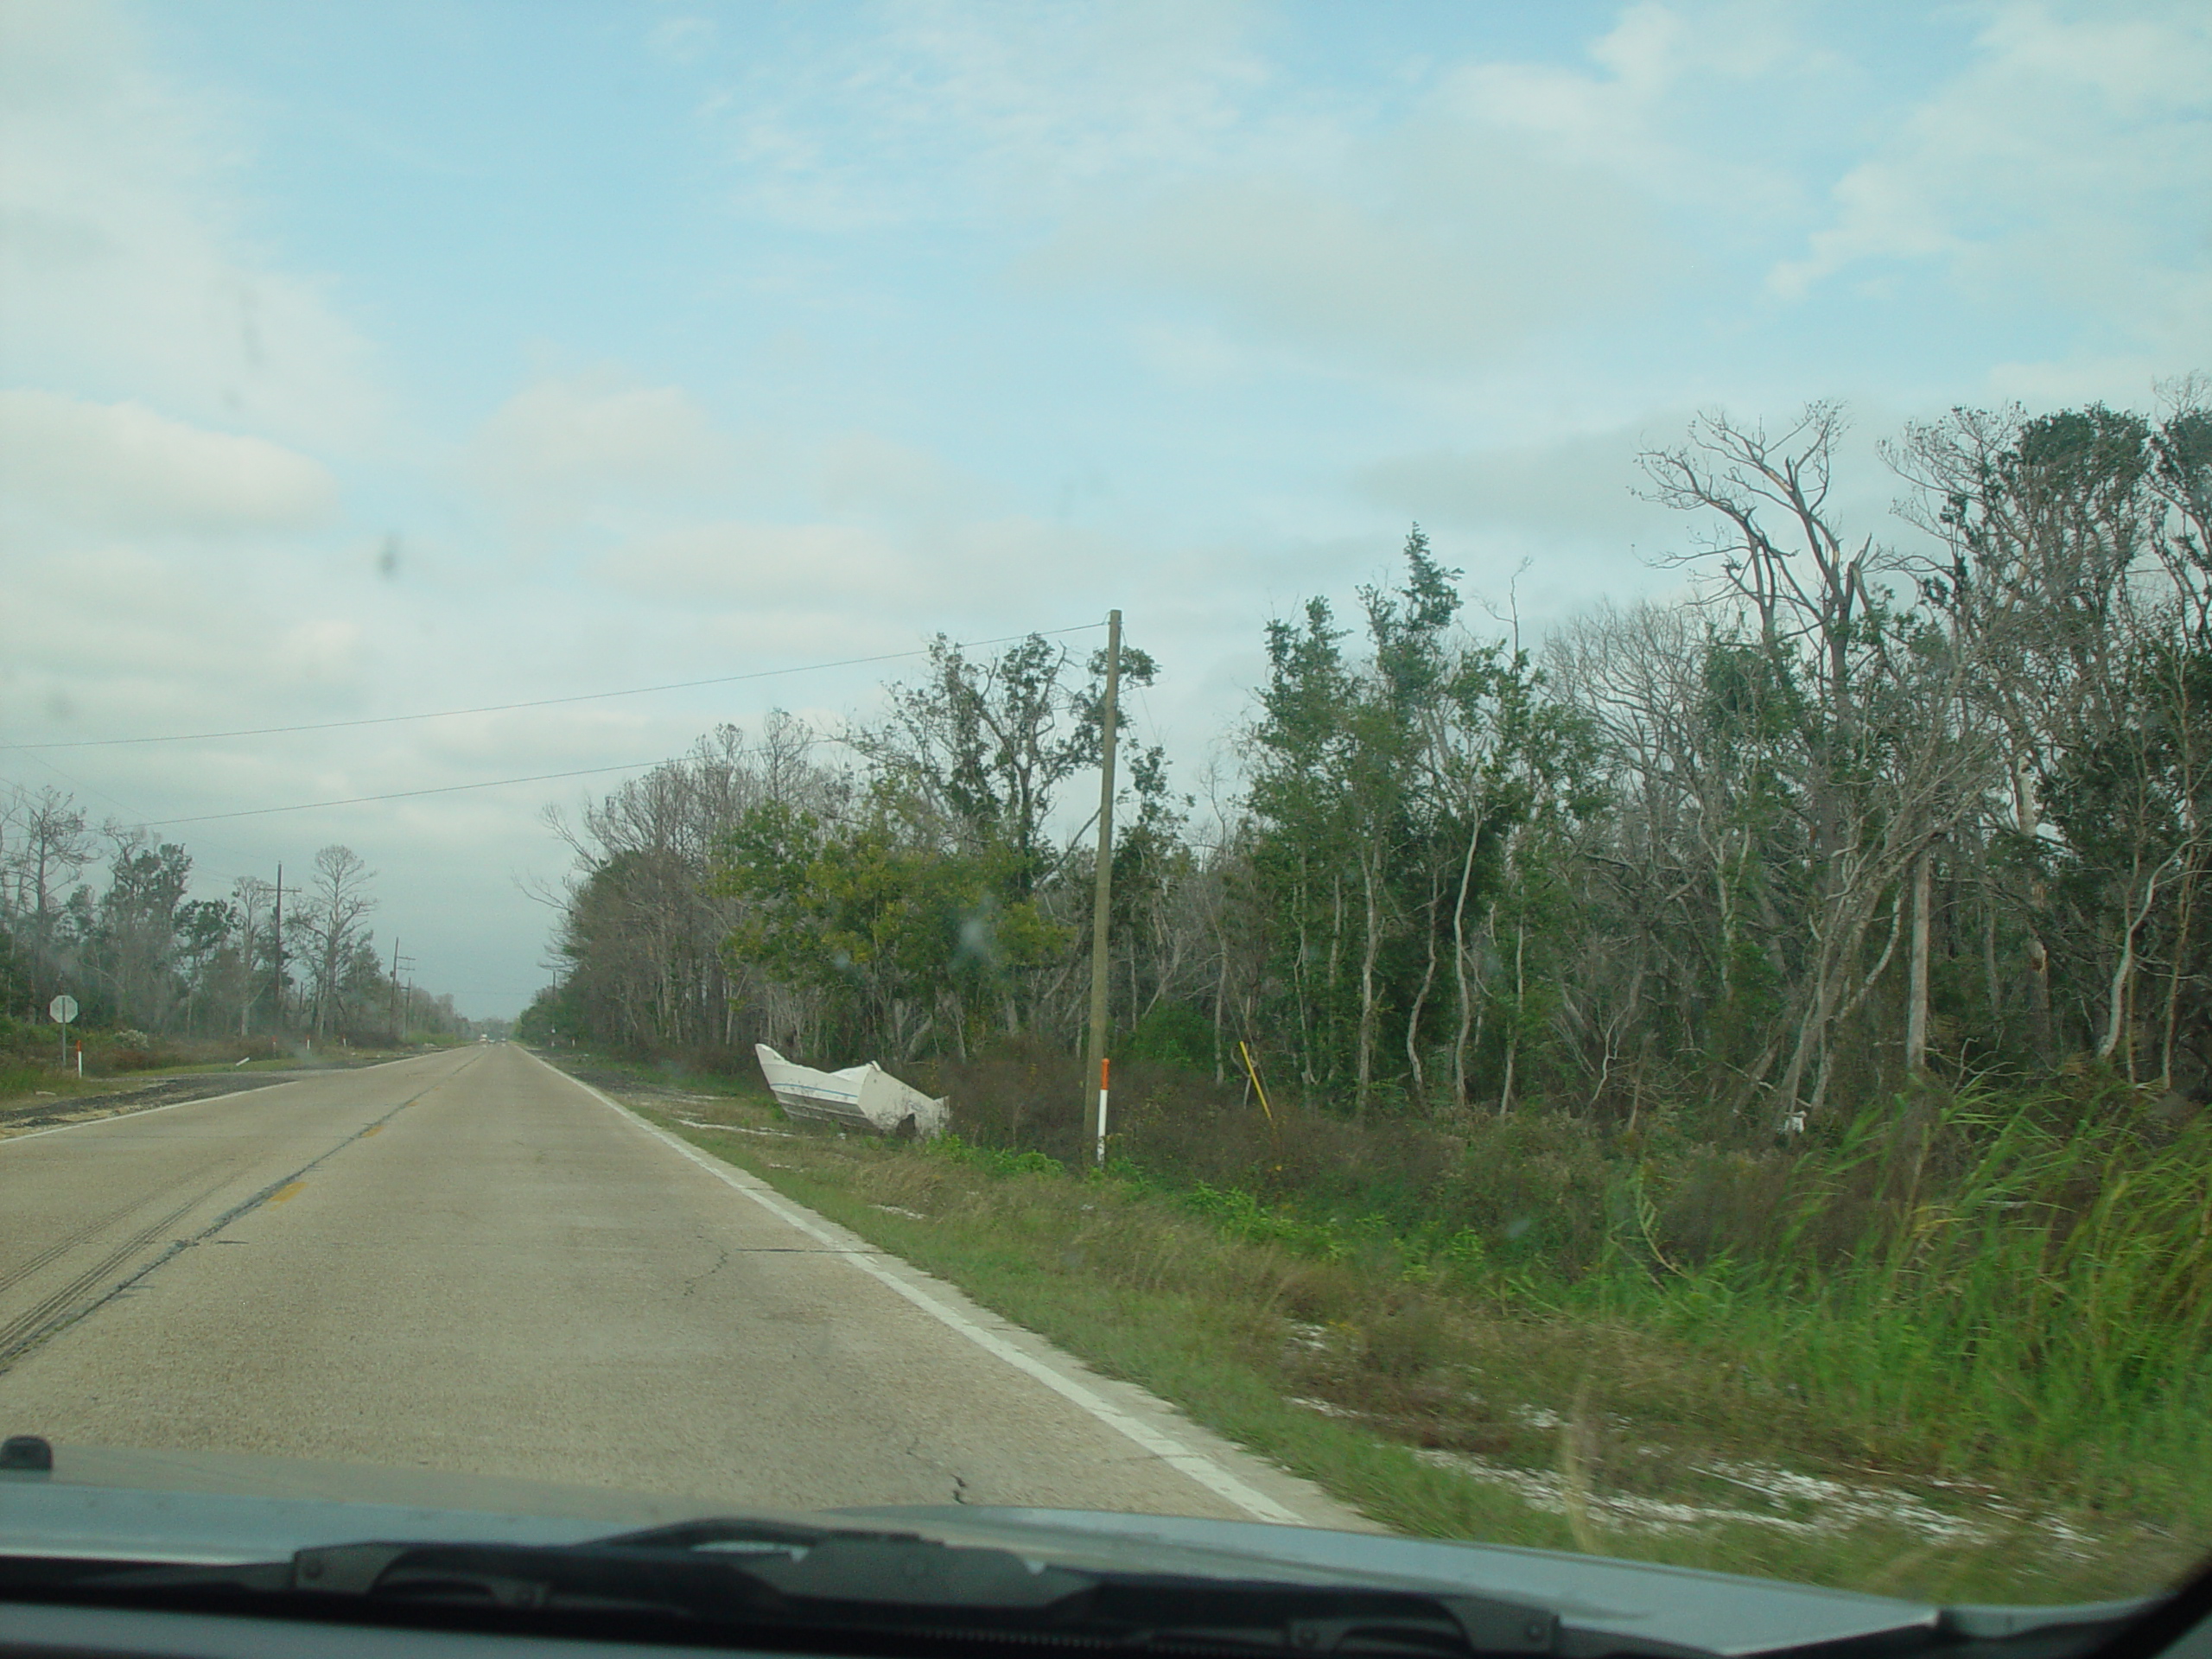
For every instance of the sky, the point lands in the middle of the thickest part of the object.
(363, 361)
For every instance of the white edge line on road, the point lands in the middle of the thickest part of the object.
(202, 1100)
(1195, 1465)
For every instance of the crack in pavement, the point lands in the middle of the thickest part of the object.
(913, 1449)
(722, 1260)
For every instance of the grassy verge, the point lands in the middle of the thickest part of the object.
(31, 1078)
(29, 1083)
(1446, 1397)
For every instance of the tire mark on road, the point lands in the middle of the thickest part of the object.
(53, 1315)
(28, 1328)
(83, 1235)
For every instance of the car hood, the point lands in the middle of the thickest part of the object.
(216, 1508)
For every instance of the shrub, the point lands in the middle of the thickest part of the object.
(998, 1161)
(1018, 1093)
(1172, 1035)
(20, 1076)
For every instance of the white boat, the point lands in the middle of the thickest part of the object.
(858, 1097)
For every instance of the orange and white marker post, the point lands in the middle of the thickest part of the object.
(1103, 1063)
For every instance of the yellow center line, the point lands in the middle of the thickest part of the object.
(373, 1129)
(290, 1189)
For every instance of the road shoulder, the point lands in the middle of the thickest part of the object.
(1231, 1473)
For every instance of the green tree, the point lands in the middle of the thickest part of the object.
(910, 940)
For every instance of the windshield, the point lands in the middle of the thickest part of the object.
(1442, 770)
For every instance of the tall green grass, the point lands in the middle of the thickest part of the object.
(20, 1078)
(2022, 1286)
(1978, 1285)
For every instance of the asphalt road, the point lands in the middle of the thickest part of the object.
(470, 1263)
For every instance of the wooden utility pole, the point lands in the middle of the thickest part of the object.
(277, 954)
(1915, 1008)
(1094, 1111)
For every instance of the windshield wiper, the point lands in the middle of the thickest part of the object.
(761, 1580)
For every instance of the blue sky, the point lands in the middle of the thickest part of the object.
(363, 360)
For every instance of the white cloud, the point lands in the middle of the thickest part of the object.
(2070, 161)
(861, 471)
(562, 446)
(1576, 488)
(977, 567)
(326, 650)
(925, 109)
(601, 450)
(763, 566)
(1510, 199)
(124, 262)
(681, 40)
(1441, 250)
(151, 642)
(1655, 78)
(121, 466)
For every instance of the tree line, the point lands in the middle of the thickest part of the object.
(136, 950)
(1845, 812)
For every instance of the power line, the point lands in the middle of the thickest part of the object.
(406, 794)
(130, 813)
(534, 703)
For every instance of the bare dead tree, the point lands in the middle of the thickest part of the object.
(331, 920)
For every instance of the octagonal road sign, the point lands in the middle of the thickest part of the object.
(63, 1008)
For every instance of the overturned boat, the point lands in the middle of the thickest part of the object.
(858, 1097)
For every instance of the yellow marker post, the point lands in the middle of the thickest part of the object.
(1260, 1089)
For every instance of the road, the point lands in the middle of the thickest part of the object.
(468, 1262)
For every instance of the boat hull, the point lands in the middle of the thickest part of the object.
(864, 1097)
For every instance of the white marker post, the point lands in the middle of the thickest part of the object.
(1103, 1063)
(64, 1009)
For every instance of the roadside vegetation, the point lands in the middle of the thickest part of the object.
(161, 979)
(125, 1070)
(1767, 1030)
(29, 1062)
(1849, 813)
(1957, 1351)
